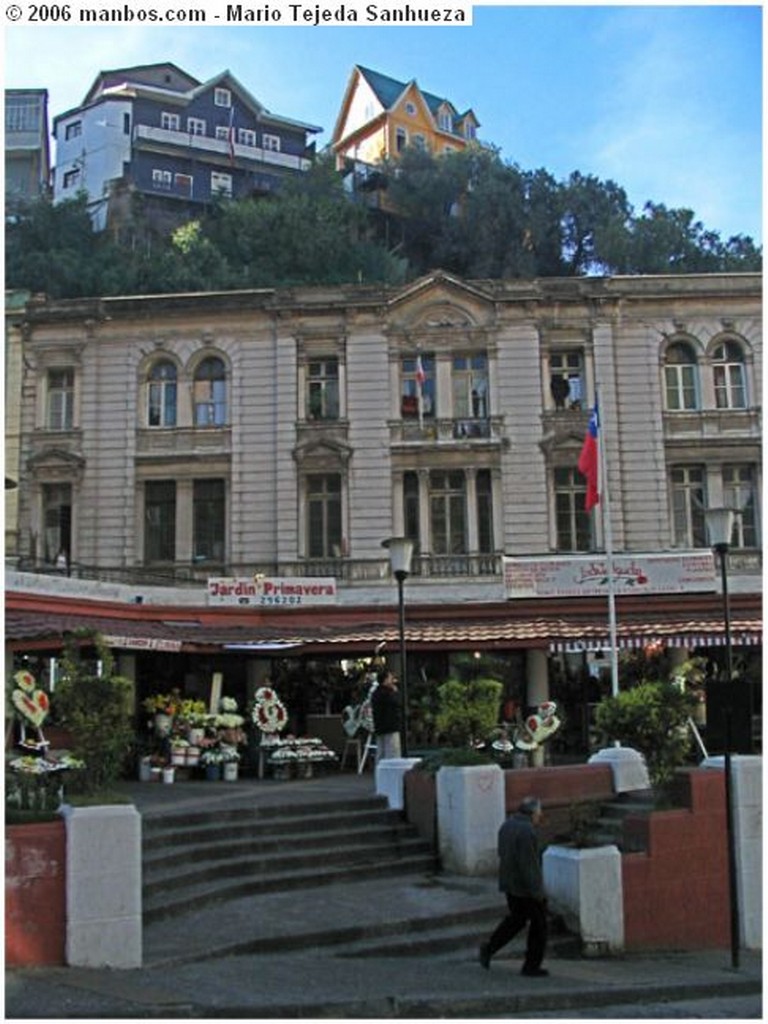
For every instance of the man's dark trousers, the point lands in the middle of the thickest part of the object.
(523, 909)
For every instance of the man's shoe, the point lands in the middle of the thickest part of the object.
(484, 955)
(535, 972)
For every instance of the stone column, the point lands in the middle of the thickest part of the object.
(537, 690)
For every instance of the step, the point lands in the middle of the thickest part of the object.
(156, 908)
(276, 863)
(212, 829)
(160, 818)
(158, 860)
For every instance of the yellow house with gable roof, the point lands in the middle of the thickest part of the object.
(380, 117)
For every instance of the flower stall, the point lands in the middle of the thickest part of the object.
(296, 758)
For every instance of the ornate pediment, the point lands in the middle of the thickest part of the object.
(56, 464)
(322, 453)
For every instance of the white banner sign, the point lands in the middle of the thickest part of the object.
(587, 576)
(267, 591)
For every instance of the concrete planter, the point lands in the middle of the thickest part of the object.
(584, 885)
(470, 811)
(103, 877)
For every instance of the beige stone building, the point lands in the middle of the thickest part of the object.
(265, 429)
(165, 441)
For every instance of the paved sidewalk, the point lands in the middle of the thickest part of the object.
(256, 957)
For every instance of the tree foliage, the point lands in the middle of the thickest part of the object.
(467, 212)
(468, 710)
(96, 706)
(652, 718)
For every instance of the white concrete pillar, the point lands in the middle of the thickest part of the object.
(585, 886)
(103, 876)
(390, 779)
(470, 812)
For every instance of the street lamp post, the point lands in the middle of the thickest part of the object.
(400, 554)
(720, 528)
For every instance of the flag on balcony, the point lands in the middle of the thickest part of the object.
(420, 381)
(588, 464)
(231, 135)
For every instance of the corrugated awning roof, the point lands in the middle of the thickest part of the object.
(552, 633)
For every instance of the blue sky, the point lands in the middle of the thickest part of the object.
(665, 101)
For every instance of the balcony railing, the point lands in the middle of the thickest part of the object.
(205, 143)
(348, 570)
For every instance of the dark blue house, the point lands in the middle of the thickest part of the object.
(158, 132)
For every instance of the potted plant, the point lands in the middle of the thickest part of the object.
(212, 759)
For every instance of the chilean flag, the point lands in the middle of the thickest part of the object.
(588, 464)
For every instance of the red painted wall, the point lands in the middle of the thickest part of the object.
(35, 894)
(676, 894)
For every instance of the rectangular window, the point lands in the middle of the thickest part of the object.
(73, 130)
(411, 509)
(323, 389)
(401, 139)
(271, 142)
(739, 492)
(171, 122)
(470, 395)
(208, 520)
(566, 380)
(22, 114)
(688, 503)
(572, 522)
(159, 521)
(680, 382)
(417, 387)
(246, 137)
(484, 489)
(161, 180)
(195, 126)
(183, 184)
(447, 510)
(222, 98)
(72, 178)
(221, 184)
(61, 399)
(57, 523)
(323, 515)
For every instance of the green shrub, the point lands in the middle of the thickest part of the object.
(453, 757)
(97, 709)
(651, 718)
(469, 711)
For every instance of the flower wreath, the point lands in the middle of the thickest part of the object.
(269, 712)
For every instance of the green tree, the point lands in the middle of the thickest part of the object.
(96, 705)
(653, 719)
(468, 710)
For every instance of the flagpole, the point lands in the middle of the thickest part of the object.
(605, 506)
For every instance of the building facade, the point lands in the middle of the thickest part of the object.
(379, 117)
(27, 153)
(157, 132)
(169, 440)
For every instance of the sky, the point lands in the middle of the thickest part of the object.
(665, 101)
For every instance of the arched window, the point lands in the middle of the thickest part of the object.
(681, 377)
(210, 393)
(161, 395)
(729, 376)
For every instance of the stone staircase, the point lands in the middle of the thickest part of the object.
(608, 826)
(192, 858)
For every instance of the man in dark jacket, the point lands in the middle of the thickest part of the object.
(520, 877)
(387, 716)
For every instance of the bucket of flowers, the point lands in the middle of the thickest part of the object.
(229, 723)
(230, 763)
(163, 707)
(212, 759)
(192, 718)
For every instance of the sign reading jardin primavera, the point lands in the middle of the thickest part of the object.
(261, 591)
(587, 575)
